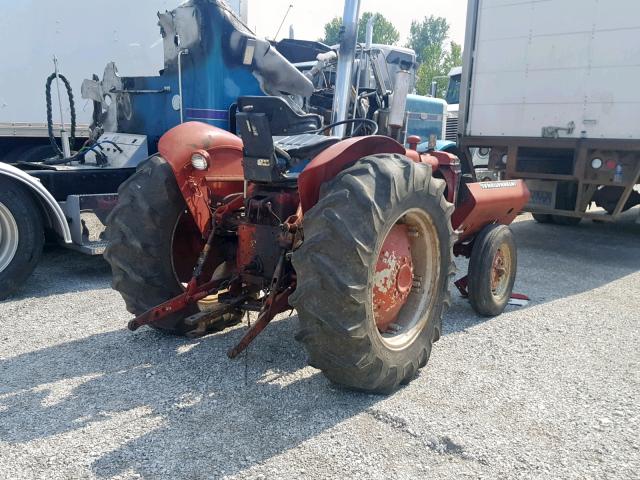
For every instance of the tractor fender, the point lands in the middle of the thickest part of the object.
(223, 176)
(54, 215)
(336, 158)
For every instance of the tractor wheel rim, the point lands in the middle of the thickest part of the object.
(405, 279)
(9, 237)
(501, 271)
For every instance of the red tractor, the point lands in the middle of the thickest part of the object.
(353, 230)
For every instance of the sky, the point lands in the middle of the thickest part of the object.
(309, 16)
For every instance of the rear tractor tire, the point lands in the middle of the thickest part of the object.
(374, 273)
(492, 270)
(153, 246)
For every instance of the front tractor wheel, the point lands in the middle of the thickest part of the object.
(492, 270)
(154, 245)
(373, 273)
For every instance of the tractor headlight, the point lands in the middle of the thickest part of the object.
(200, 160)
(484, 151)
(596, 163)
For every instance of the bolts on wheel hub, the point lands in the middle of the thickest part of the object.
(499, 271)
(393, 277)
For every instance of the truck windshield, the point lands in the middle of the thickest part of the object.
(453, 92)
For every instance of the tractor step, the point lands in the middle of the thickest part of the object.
(87, 215)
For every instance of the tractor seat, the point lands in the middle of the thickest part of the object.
(283, 120)
(262, 163)
(305, 145)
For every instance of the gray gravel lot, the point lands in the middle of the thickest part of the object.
(551, 390)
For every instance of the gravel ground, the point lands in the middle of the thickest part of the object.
(551, 390)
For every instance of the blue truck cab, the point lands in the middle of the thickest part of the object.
(427, 116)
(212, 58)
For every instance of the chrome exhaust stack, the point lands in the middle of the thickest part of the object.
(346, 57)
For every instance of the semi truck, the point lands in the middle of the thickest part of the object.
(541, 91)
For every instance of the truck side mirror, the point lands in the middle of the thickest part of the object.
(434, 89)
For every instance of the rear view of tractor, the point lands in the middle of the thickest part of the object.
(308, 207)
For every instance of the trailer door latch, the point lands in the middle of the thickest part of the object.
(554, 132)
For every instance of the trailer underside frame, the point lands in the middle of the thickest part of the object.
(567, 162)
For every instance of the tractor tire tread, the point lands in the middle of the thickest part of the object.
(480, 264)
(142, 271)
(341, 232)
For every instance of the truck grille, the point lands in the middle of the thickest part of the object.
(452, 128)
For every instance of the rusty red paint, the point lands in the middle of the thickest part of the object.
(462, 284)
(430, 160)
(414, 141)
(393, 277)
(274, 305)
(191, 295)
(449, 170)
(498, 270)
(246, 245)
(224, 175)
(336, 158)
(423, 158)
(489, 202)
(227, 208)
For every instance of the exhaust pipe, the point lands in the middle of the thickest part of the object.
(346, 56)
(370, 24)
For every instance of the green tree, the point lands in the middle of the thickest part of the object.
(423, 34)
(430, 68)
(453, 58)
(332, 31)
(436, 64)
(383, 31)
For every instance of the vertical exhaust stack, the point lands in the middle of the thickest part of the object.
(346, 56)
(366, 57)
(370, 24)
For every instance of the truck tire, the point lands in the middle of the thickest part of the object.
(21, 236)
(141, 231)
(566, 221)
(348, 330)
(542, 217)
(492, 270)
(37, 153)
(566, 200)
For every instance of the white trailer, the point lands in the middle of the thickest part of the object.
(84, 35)
(546, 86)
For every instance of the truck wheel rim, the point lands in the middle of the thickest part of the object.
(405, 279)
(501, 271)
(8, 237)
